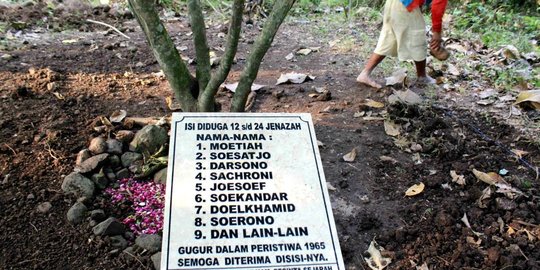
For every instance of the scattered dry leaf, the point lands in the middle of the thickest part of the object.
(471, 240)
(415, 189)
(351, 156)
(388, 159)
(330, 187)
(452, 70)
(424, 266)
(520, 153)
(374, 104)
(510, 52)
(295, 78)
(486, 195)
(446, 186)
(59, 96)
(376, 261)
(373, 118)
(510, 230)
(118, 116)
(490, 178)
(359, 114)
(69, 41)
(530, 236)
(465, 221)
(105, 121)
(172, 104)
(458, 179)
(397, 77)
(289, 57)
(391, 128)
(529, 99)
(232, 86)
(305, 51)
(508, 191)
(408, 97)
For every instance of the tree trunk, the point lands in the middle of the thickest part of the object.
(206, 98)
(165, 52)
(202, 52)
(261, 46)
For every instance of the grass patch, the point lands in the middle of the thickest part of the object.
(496, 27)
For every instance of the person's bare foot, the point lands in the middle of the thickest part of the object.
(425, 80)
(365, 79)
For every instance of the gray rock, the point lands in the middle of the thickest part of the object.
(119, 242)
(28, 3)
(92, 163)
(109, 227)
(149, 140)
(6, 56)
(114, 161)
(125, 136)
(136, 167)
(114, 146)
(84, 199)
(150, 242)
(109, 173)
(100, 180)
(76, 213)
(156, 260)
(122, 174)
(82, 156)
(76, 183)
(92, 223)
(129, 235)
(98, 145)
(129, 157)
(44, 207)
(98, 215)
(161, 176)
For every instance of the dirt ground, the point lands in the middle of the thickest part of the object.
(56, 84)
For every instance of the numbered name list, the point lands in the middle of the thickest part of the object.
(247, 191)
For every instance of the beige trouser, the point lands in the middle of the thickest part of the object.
(403, 33)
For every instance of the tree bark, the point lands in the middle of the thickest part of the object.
(261, 46)
(165, 52)
(206, 98)
(202, 52)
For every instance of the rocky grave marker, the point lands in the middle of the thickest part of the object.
(247, 191)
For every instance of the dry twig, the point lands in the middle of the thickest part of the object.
(12, 150)
(137, 259)
(110, 26)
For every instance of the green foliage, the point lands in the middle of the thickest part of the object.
(498, 26)
(3, 27)
(526, 184)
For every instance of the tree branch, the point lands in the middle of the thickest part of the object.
(261, 46)
(165, 52)
(201, 47)
(206, 98)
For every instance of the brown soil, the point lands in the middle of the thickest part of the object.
(41, 133)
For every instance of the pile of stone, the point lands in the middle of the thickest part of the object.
(116, 154)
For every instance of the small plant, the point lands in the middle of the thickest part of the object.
(147, 200)
(526, 184)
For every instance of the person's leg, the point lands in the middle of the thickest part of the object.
(420, 68)
(365, 75)
(423, 78)
(386, 46)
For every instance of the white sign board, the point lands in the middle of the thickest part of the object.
(247, 191)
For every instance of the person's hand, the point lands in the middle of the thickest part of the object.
(436, 41)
